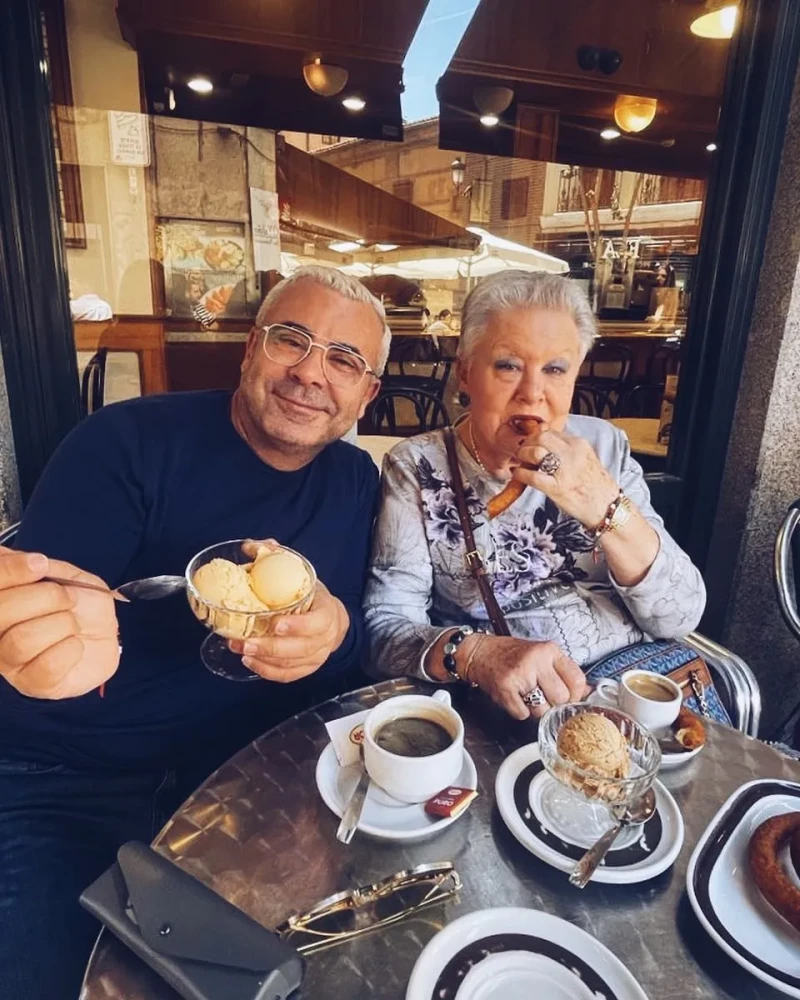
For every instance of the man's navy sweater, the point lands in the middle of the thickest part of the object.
(136, 490)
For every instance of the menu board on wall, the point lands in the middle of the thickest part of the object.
(204, 268)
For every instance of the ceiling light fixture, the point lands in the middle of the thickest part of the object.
(323, 78)
(711, 147)
(491, 102)
(634, 114)
(609, 133)
(354, 102)
(200, 85)
(719, 21)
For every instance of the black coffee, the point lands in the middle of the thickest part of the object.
(410, 736)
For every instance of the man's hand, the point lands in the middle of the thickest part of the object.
(301, 643)
(55, 641)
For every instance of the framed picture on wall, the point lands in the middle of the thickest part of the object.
(204, 268)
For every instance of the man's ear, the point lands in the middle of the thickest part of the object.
(256, 333)
(369, 395)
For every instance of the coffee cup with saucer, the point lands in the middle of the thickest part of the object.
(401, 784)
(652, 700)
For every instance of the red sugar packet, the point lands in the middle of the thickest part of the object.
(450, 802)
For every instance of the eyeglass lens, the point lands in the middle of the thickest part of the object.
(289, 347)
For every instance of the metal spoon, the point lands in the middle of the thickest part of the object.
(151, 588)
(355, 806)
(638, 811)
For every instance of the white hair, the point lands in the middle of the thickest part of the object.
(524, 290)
(345, 285)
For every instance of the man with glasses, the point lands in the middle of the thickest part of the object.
(107, 716)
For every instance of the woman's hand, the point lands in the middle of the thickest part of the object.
(581, 487)
(507, 669)
(301, 643)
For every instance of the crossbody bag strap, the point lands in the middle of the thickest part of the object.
(474, 561)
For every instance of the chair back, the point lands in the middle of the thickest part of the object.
(404, 410)
(8, 535)
(734, 680)
(786, 568)
(592, 401)
(419, 363)
(93, 383)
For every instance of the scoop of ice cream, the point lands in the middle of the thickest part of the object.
(593, 743)
(226, 585)
(279, 578)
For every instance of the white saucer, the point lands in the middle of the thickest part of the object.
(383, 817)
(669, 761)
(725, 897)
(644, 853)
(517, 954)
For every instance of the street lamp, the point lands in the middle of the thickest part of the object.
(458, 171)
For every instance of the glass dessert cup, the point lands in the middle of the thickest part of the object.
(578, 804)
(226, 624)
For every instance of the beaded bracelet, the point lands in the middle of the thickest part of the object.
(619, 510)
(450, 647)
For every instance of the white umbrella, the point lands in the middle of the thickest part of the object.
(494, 254)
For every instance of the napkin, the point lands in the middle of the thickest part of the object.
(347, 735)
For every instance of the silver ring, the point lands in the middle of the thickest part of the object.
(535, 698)
(550, 464)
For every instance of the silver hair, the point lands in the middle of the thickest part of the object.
(524, 290)
(346, 286)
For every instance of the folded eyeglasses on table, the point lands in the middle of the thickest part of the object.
(353, 912)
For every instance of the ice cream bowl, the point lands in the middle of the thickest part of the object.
(579, 801)
(231, 623)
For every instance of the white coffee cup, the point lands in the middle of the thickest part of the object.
(629, 693)
(414, 779)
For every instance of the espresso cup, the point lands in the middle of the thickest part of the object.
(414, 778)
(652, 700)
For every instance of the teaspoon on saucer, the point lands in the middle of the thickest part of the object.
(639, 811)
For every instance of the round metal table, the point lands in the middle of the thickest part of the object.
(258, 833)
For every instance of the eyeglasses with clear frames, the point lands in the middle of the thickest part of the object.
(288, 345)
(357, 911)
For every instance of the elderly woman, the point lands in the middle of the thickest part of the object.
(580, 564)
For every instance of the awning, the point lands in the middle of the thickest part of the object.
(317, 198)
(494, 254)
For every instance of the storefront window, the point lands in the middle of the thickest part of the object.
(176, 228)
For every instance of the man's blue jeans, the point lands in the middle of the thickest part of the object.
(59, 829)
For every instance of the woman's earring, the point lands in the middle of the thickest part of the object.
(463, 399)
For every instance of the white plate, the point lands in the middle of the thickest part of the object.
(669, 761)
(511, 953)
(724, 896)
(518, 788)
(383, 817)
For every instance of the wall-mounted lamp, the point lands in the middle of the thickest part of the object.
(458, 170)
